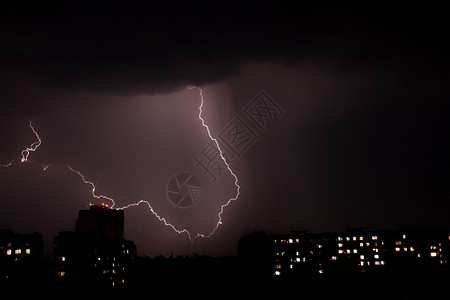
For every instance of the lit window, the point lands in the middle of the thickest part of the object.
(397, 249)
(334, 257)
(62, 258)
(433, 247)
(18, 251)
(319, 246)
(398, 243)
(297, 253)
(277, 266)
(361, 257)
(376, 256)
(377, 263)
(433, 254)
(297, 241)
(361, 263)
(277, 273)
(382, 262)
(375, 250)
(361, 244)
(405, 249)
(291, 241)
(361, 238)
(61, 273)
(297, 259)
(355, 250)
(340, 251)
(28, 251)
(340, 245)
(367, 244)
(320, 271)
(374, 237)
(8, 252)
(348, 251)
(354, 238)
(340, 238)
(291, 266)
(347, 238)
(404, 236)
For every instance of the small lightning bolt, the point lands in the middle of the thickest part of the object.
(33, 146)
(83, 178)
(26, 152)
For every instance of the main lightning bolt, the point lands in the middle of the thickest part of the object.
(236, 180)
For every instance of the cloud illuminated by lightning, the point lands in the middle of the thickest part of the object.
(152, 210)
(33, 147)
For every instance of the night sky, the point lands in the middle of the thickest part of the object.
(356, 131)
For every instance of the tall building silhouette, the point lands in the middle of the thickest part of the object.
(96, 253)
(100, 221)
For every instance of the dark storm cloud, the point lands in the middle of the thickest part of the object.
(155, 48)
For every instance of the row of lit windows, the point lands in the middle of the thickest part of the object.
(290, 241)
(355, 238)
(347, 238)
(18, 251)
(375, 250)
(363, 263)
(361, 238)
(367, 244)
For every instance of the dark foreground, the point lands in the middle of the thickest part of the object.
(229, 277)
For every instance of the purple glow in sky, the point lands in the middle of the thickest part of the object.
(353, 130)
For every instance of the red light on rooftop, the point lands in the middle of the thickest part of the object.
(101, 205)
